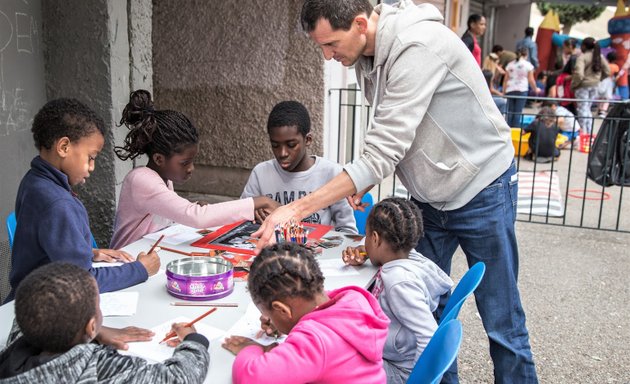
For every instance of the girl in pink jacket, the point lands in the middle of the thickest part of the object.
(147, 200)
(333, 337)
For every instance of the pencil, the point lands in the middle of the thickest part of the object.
(156, 243)
(172, 334)
(175, 251)
(362, 253)
(202, 304)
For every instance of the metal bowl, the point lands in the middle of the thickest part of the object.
(199, 278)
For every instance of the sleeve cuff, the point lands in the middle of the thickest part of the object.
(360, 174)
(198, 338)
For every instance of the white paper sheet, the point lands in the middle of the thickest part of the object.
(249, 326)
(156, 352)
(119, 303)
(175, 234)
(336, 267)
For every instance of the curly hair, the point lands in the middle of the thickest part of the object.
(289, 114)
(398, 221)
(153, 131)
(340, 14)
(284, 270)
(64, 118)
(53, 304)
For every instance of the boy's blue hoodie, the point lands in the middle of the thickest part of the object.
(53, 226)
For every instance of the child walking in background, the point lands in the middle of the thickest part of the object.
(333, 337)
(58, 310)
(147, 200)
(408, 286)
(294, 173)
(52, 223)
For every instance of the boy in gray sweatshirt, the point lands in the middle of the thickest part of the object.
(293, 173)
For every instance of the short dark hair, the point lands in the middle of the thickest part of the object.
(529, 31)
(153, 131)
(53, 304)
(339, 14)
(284, 270)
(549, 103)
(398, 221)
(474, 18)
(289, 114)
(64, 118)
(497, 48)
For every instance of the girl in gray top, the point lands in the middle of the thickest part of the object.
(406, 280)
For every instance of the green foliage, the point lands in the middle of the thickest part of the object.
(570, 13)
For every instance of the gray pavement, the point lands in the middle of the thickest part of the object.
(574, 288)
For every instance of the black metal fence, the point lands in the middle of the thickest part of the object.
(552, 190)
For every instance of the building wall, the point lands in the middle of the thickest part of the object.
(225, 68)
(88, 58)
(511, 22)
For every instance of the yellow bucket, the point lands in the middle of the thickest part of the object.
(520, 142)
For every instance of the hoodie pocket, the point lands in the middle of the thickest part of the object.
(437, 180)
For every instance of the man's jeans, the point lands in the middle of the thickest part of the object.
(484, 228)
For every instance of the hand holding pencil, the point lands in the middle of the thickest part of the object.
(354, 255)
(151, 260)
(186, 328)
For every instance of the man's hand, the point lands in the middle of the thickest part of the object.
(266, 233)
(355, 200)
(118, 337)
(111, 256)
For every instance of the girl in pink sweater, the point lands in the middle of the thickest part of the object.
(333, 337)
(147, 200)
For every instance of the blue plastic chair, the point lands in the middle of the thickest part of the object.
(438, 355)
(361, 217)
(466, 286)
(12, 223)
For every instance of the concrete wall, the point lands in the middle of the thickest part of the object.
(225, 65)
(511, 23)
(88, 57)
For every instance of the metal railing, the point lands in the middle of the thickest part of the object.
(553, 191)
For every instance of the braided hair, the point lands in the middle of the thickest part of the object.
(53, 304)
(398, 221)
(153, 131)
(284, 270)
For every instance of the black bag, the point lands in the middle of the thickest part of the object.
(609, 161)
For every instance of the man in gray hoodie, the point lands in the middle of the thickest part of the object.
(433, 123)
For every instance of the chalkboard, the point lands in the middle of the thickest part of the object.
(22, 93)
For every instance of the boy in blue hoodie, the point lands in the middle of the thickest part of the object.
(52, 223)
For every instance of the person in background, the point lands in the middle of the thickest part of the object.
(544, 131)
(408, 286)
(528, 43)
(520, 74)
(569, 50)
(568, 124)
(497, 95)
(57, 307)
(148, 202)
(606, 88)
(590, 68)
(294, 173)
(476, 28)
(332, 336)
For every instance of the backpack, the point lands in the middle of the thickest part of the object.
(563, 88)
(609, 161)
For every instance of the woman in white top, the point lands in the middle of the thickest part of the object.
(519, 73)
